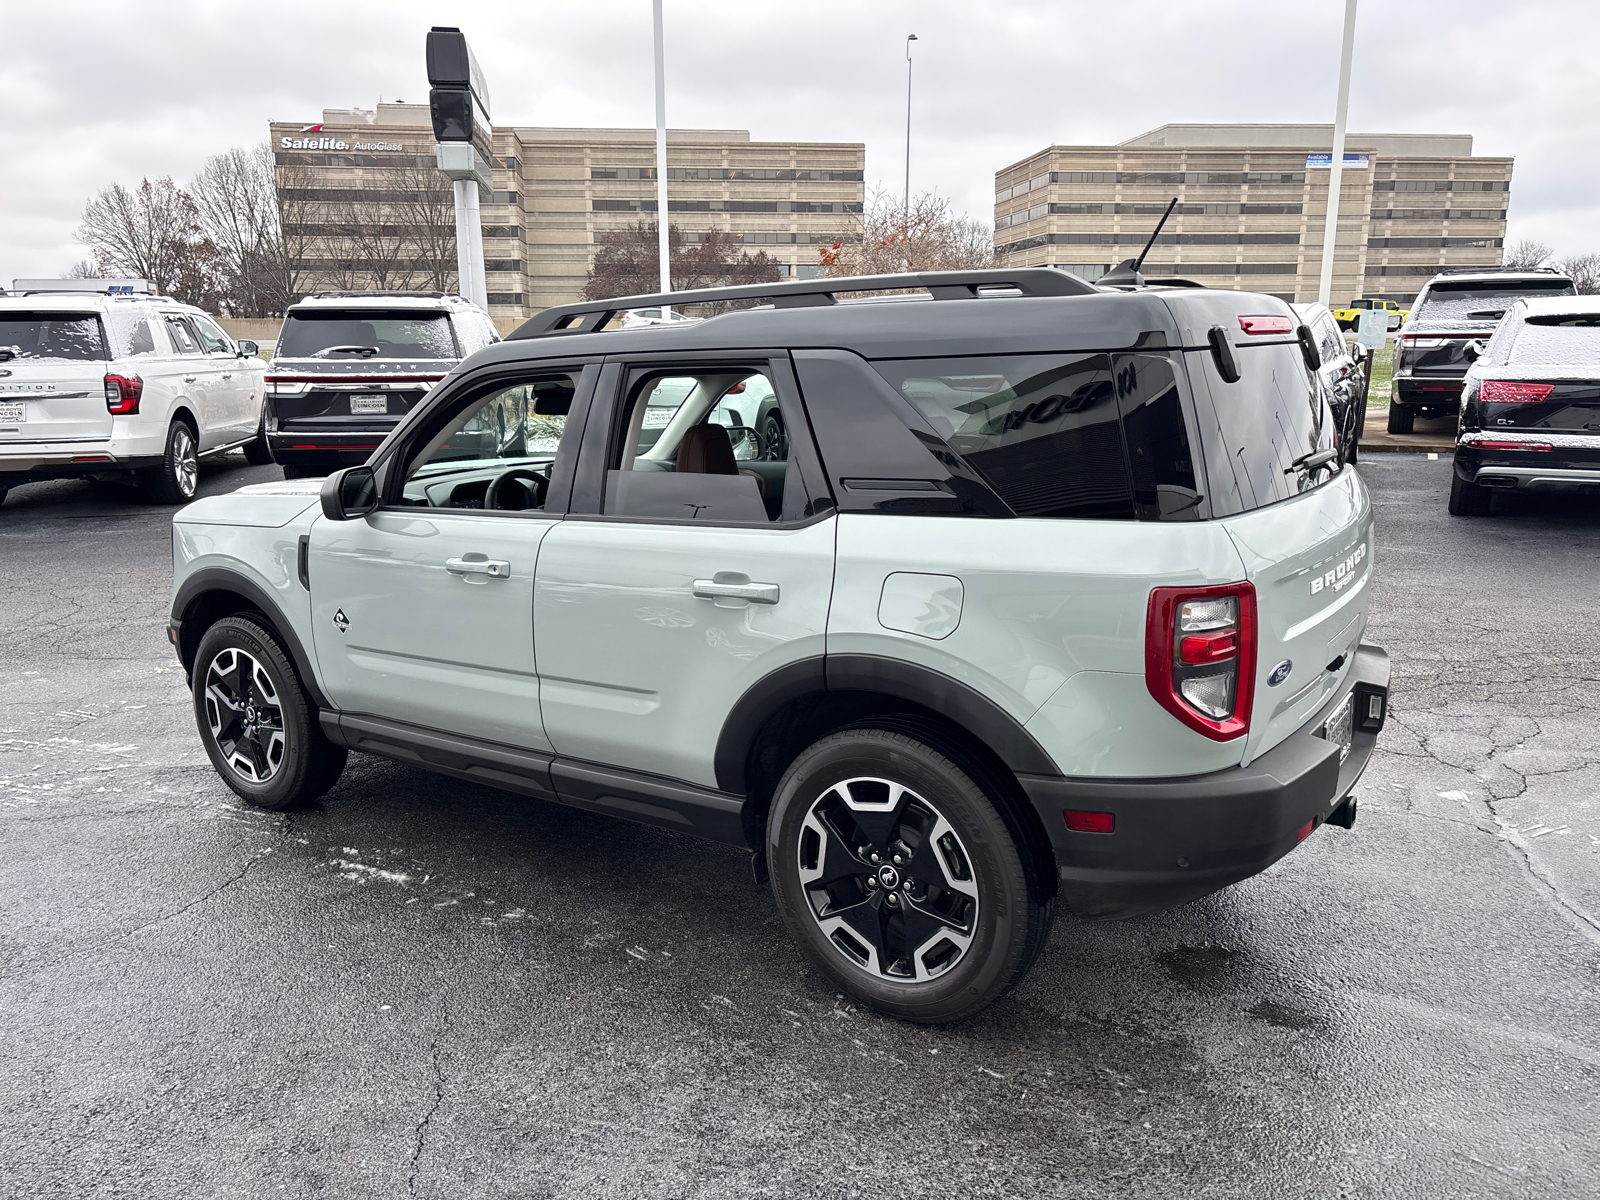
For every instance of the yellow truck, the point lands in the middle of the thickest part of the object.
(1347, 317)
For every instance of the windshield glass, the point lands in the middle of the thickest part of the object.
(1557, 341)
(1483, 301)
(69, 337)
(350, 336)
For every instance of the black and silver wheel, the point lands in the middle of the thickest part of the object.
(175, 480)
(899, 877)
(259, 728)
(775, 443)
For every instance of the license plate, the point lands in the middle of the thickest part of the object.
(659, 418)
(369, 404)
(1340, 728)
(13, 412)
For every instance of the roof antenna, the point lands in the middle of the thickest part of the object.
(1126, 273)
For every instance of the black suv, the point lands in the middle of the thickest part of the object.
(1452, 310)
(349, 365)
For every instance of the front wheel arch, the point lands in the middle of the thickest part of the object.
(210, 594)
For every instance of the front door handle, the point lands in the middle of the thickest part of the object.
(723, 588)
(227, 374)
(189, 378)
(495, 568)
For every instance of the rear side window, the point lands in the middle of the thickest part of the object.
(71, 337)
(184, 338)
(352, 335)
(1258, 429)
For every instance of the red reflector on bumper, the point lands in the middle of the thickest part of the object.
(1304, 831)
(91, 458)
(1082, 821)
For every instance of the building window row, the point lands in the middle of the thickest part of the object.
(1441, 185)
(1432, 243)
(749, 206)
(1230, 177)
(1155, 210)
(513, 299)
(1410, 269)
(1188, 268)
(769, 239)
(1439, 214)
(691, 173)
(1166, 239)
(353, 160)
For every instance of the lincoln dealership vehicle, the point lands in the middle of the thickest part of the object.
(99, 377)
(1057, 596)
(1452, 310)
(1530, 416)
(349, 365)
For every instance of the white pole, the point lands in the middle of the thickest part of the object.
(465, 274)
(663, 248)
(474, 231)
(1336, 164)
(905, 212)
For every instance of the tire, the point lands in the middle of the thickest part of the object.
(258, 453)
(258, 726)
(1361, 427)
(292, 471)
(177, 479)
(981, 924)
(775, 447)
(1468, 499)
(1401, 420)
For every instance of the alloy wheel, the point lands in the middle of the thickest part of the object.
(185, 462)
(888, 880)
(245, 715)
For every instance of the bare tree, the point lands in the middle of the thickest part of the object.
(627, 262)
(926, 236)
(82, 269)
(237, 206)
(151, 232)
(1524, 255)
(1583, 270)
(301, 237)
(422, 207)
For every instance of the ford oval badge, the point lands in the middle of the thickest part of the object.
(1280, 673)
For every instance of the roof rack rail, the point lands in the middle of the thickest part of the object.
(338, 295)
(591, 315)
(1501, 271)
(96, 286)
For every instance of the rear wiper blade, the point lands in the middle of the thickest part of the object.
(1313, 461)
(364, 351)
(1488, 314)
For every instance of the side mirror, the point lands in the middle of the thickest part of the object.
(1308, 348)
(350, 493)
(1473, 351)
(248, 349)
(746, 443)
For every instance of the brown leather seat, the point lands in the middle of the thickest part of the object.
(706, 449)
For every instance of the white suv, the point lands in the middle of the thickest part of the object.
(1047, 595)
(99, 377)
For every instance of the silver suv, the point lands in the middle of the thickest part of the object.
(1054, 596)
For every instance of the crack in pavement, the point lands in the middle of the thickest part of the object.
(420, 1134)
(199, 900)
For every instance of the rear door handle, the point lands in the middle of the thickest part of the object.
(495, 568)
(227, 374)
(718, 588)
(189, 378)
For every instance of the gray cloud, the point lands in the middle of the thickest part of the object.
(116, 91)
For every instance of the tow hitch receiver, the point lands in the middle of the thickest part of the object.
(1345, 815)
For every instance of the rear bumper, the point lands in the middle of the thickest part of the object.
(86, 458)
(317, 448)
(1179, 839)
(1572, 463)
(1421, 391)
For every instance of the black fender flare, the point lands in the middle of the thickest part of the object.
(919, 685)
(208, 580)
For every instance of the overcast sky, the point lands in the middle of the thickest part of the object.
(117, 90)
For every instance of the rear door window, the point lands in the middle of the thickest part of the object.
(350, 335)
(70, 337)
(1260, 429)
(185, 340)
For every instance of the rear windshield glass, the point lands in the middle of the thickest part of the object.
(346, 336)
(1481, 301)
(1264, 424)
(1082, 435)
(73, 337)
(1557, 341)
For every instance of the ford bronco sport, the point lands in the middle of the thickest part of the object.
(1057, 595)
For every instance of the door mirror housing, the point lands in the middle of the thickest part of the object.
(248, 349)
(1473, 351)
(746, 443)
(350, 493)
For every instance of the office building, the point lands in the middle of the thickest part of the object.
(1252, 200)
(364, 207)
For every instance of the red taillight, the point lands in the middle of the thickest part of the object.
(122, 394)
(736, 388)
(1081, 820)
(1260, 325)
(1496, 391)
(1200, 656)
(1494, 445)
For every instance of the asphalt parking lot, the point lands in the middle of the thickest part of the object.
(421, 987)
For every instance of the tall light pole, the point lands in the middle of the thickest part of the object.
(905, 212)
(663, 248)
(1336, 163)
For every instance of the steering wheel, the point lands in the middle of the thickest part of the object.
(516, 501)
